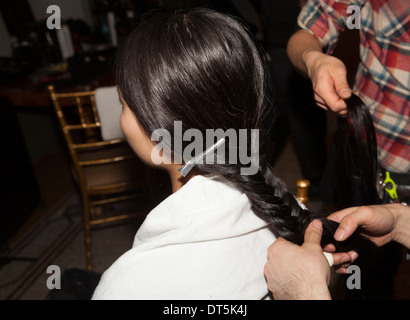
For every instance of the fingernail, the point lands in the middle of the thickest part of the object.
(343, 114)
(317, 224)
(339, 234)
(345, 93)
(328, 248)
(354, 256)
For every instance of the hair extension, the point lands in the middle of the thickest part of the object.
(356, 172)
(203, 68)
(355, 154)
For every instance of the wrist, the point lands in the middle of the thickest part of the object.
(310, 58)
(402, 227)
(316, 291)
(304, 285)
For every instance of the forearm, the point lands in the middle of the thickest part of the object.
(402, 232)
(301, 48)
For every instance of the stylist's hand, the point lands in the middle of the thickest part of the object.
(380, 223)
(301, 272)
(328, 76)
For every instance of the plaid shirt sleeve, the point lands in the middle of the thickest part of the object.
(326, 19)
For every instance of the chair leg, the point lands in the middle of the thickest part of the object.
(87, 235)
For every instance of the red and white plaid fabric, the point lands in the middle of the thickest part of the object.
(383, 76)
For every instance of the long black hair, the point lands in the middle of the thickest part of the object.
(355, 156)
(203, 68)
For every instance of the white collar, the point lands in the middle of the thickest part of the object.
(203, 209)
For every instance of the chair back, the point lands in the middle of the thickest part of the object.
(101, 166)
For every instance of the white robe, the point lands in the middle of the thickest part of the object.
(202, 242)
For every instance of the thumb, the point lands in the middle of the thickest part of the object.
(341, 86)
(313, 233)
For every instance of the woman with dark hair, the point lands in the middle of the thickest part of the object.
(200, 70)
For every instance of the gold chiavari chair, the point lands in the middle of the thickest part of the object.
(106, 172)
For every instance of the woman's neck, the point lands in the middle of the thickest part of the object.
(178, 180)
